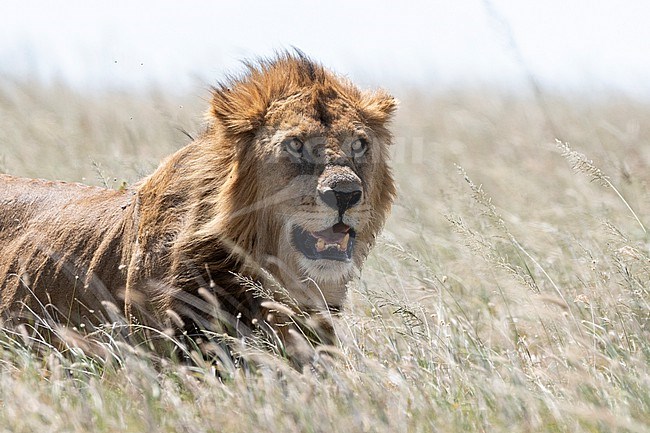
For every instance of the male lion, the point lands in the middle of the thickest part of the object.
(286, 189)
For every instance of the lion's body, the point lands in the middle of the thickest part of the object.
(51, 235)
(288, 186)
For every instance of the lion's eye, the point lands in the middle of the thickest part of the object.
(359, 147)
(294, 147)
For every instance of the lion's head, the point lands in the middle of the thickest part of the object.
(305, 186)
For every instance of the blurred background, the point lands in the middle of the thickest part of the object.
(579, 45)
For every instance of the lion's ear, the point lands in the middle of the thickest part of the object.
(240, 113)
(377, 108)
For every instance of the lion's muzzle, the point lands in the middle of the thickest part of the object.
(340, 188)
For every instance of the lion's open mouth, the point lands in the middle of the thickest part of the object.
(334, 243)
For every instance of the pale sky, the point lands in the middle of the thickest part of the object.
(587, 45)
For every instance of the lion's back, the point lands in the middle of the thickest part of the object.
(50, 234)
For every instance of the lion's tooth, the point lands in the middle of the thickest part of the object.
(343, 246)
(320, 245)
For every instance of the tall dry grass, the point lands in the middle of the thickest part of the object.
(508, 293)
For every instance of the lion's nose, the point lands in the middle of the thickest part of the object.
(342, 197)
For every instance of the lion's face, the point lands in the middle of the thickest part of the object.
(313, 149)
(322, 171)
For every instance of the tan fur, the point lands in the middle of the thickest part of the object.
(217, 209)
